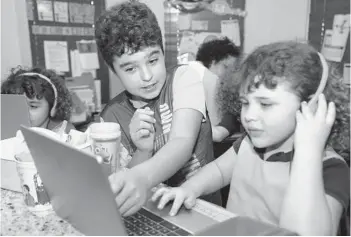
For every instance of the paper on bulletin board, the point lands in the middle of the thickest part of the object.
(199, 25)
(45, 12)
(75, 13)
(191, 41)
(341, 30)
(56, 55)
(230, 28)
(89, 13)
(329, 51)
(184, 21)
(61, 11)
(29, 8)
(88, 54)
(76, 67)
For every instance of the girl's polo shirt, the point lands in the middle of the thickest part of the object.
(258, 186)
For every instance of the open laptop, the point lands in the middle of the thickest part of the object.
(14, 112)
(80, 193)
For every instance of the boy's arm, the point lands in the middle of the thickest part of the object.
(213, 176)
(219, 133)
(309, 207)
(189, 108)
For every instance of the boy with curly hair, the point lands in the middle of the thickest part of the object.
(164, 127)
(47, 96)
(284, 170)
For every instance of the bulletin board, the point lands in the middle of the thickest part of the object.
(54, 29)
(185, 31)
(322, 17)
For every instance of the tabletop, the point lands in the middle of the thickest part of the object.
(16, 219)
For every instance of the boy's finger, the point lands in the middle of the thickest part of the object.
(122, 197)
(145, 111)
(143, 133)
(132, 210)
(158, 194)
(331, 114)
(146, 125)
(165, 199)
(147, 118)
(298, 116)
(116, 183)
(322, 106)
(127, 205)
(190, 202)
(178, 202)
(305, 110)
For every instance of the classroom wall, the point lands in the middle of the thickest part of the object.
(15, 47)
(267, 21)
(274, 20)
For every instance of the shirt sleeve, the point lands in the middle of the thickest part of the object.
(188, 90)
(336, 176)
(237, 143)
(228, 122)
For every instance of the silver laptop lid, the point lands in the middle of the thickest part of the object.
(79, 190)
(14, 112)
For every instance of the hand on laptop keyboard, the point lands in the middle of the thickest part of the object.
(131, 191)
(179, 196)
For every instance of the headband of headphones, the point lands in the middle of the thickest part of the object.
(323, 81)
(53, 109)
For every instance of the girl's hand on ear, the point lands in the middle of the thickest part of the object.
(312, 129)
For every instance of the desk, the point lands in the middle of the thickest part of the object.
(17, 220)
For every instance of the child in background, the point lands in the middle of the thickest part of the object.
(219, 56)
(48, 98)
(284, 171)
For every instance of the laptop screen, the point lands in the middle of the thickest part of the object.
(14, 112)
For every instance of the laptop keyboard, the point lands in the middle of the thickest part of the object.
(146, 223)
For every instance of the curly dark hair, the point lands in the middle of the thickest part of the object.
(36, 87)
(127, 27)
(214, 51)
(300, 66)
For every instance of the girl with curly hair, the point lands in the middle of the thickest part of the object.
(284, 170)
(49, 100)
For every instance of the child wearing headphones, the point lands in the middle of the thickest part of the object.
(48, 98)
(284, 171)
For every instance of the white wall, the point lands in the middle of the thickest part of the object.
(274, 20)
(15, 46)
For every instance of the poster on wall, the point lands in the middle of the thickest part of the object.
(45, 12)
(56, 56)
(29, 8)
(75, 13)
(89, 13)
(191, 41)
(341, 30)
(329, 51)
(61, 11)
(230, 29)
